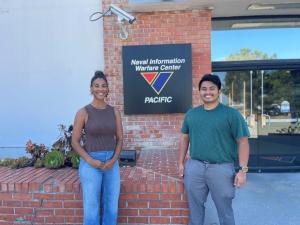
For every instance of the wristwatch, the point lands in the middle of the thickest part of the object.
(244, 169)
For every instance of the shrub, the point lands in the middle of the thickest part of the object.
(72, 159)
(6, 162)
(39, 163)
(21, 163)
(36, 151)
(54, 159)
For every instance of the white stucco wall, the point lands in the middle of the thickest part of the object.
(48, 52)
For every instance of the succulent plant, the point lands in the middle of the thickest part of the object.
(72, 159)
(6, 162)
(39, 163)
(75, 159)
(21, 163)
(54, 159)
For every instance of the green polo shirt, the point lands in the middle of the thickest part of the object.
(214, 133)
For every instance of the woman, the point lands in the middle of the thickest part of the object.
(99, 168)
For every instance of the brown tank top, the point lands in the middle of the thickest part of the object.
(100, 129)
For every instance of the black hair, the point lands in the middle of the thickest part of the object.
(98, 74)
(212, 78)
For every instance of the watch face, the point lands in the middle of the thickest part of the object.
(244, 169)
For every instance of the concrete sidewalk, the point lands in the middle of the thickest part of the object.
(267, 199)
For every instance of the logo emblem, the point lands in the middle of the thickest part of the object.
(157, 80)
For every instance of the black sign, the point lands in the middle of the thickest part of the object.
(157, 78)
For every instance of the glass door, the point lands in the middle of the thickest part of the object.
(278, 121)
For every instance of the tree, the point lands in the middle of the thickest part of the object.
(249, 54)
(278, 84)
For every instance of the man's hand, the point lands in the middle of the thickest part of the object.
(240, 179)
(180, 169)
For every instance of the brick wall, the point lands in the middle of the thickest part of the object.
(167, 27)
(40, 196)
(151, 193)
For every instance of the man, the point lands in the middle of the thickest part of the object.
(216, 134)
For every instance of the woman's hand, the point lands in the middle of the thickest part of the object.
(108, 164)
(95, 163)
(180, 170)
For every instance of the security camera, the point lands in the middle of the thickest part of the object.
(122, 15)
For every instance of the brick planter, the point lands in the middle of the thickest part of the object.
(150, 194)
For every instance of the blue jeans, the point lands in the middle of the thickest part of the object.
(96, 182)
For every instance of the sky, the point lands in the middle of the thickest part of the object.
(284, 42)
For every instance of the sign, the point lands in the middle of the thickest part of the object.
(157, 78)
(285, 107)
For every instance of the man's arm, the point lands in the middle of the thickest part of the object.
(183, 147)
(243, 149)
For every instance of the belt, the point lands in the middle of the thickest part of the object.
(207, 162)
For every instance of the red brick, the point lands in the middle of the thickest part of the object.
(35, 203)
(122, 204)
(128, 212)
(54, 204)
(137, 204)
(149, 212)
(43, 196)
(128, 196)
(7, 210)
(75, 219)
(165, 186)
(8, 217)
(22, 196)
(170, 197)
(179, 205)
(172, 186)
(11, 203)
(157, 186)
(55, 219)
(138, 220)
(5, 196)
(71, 196)
(171, 212)
(64, 212)
(179, 220)
(78, 212)
(122, 219)
(23, 211)
(159, 204)
(39, 220)
(44, 212)
(148, 196)
(73, 204)
(160, 220)
(134, 186)
(142, 185)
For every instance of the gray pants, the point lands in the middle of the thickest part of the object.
(200, 179)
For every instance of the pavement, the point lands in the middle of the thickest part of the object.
(267, 199)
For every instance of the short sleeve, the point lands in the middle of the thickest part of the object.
(185, 125)
(238, 126)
